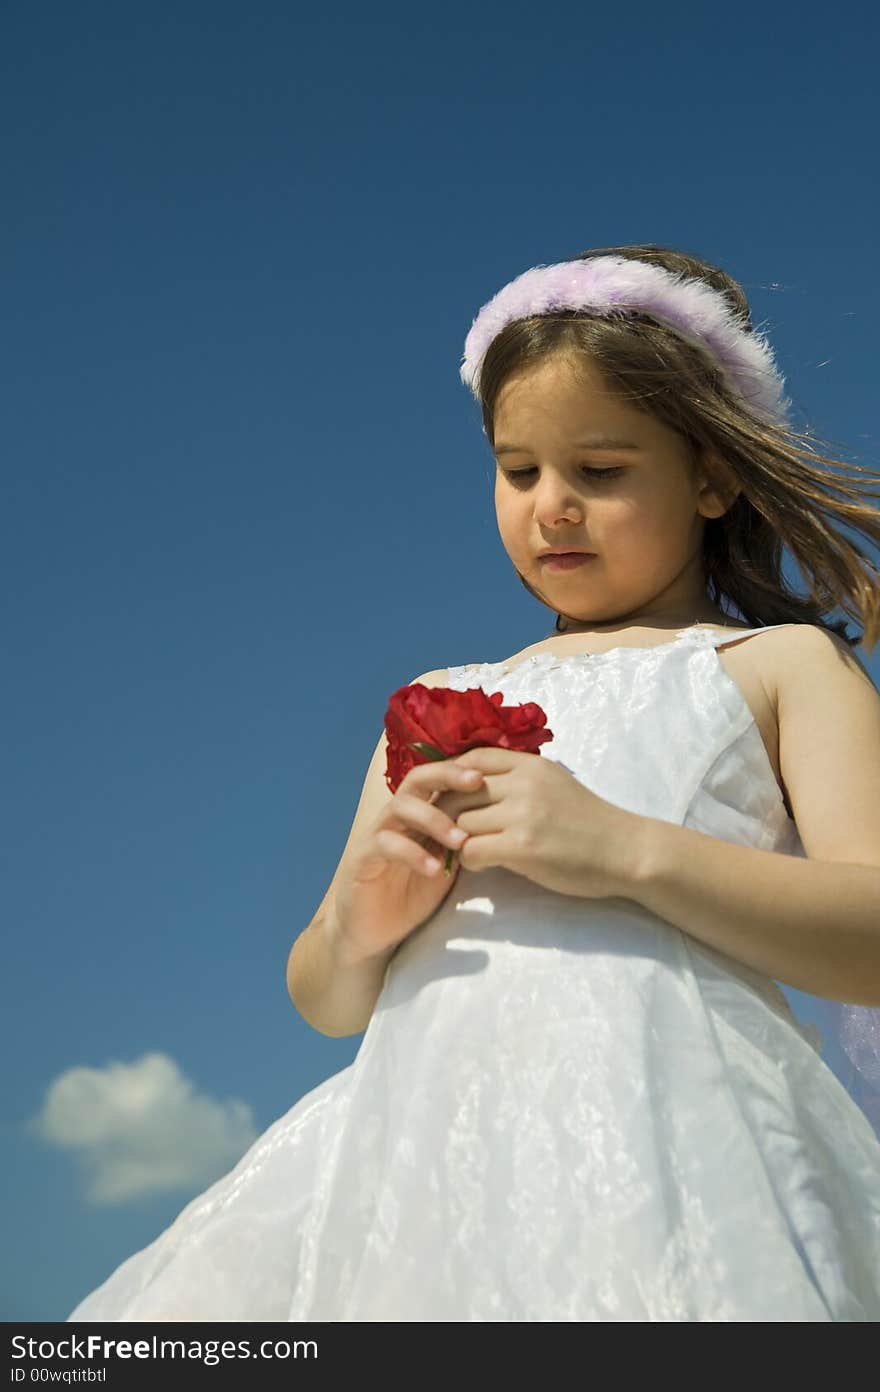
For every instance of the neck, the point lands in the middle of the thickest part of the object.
(565, 625)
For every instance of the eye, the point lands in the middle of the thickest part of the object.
(515, 474)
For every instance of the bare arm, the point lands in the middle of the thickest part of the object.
(813, 924)
(333, 989)
(336, 967)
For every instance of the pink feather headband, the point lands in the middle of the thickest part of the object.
(607, 284)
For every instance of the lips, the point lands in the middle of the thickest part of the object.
(566, 560)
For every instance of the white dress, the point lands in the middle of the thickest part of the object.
(562, 1109)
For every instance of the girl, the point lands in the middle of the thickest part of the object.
(581, 1094)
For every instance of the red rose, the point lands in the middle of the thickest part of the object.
(424, 722)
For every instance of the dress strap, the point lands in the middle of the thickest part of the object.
(716, 640)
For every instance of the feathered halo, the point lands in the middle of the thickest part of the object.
(605, 284)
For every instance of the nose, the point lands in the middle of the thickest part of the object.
(555, 499)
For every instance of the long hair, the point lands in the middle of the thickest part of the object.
(789, 495)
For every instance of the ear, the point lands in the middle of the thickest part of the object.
(717, 485)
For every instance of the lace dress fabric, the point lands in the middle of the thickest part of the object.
(562, 1109)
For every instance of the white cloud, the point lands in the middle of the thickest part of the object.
(142, 1128)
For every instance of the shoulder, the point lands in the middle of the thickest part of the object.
(814, 637)
(828, 710)
(808, 668)
(795, 650)
(438, 677)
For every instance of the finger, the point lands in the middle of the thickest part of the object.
(485, 820)
(412, 853)
(408, 811)
(454, 803)
(483, 852)
(438, 775)
(489, 758)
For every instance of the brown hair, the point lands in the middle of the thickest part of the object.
(786, 490)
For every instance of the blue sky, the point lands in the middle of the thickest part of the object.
(246, 496)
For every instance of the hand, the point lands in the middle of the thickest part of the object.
(384, 888)
(533, 817)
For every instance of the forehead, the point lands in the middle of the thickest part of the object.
(559, 396)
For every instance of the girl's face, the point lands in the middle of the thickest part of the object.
(643, 518)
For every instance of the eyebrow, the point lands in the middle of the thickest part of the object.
(599, 442)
